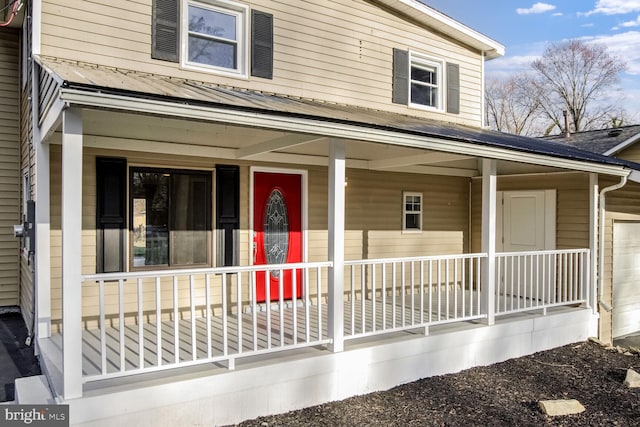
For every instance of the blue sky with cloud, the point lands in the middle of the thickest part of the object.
(526, 28)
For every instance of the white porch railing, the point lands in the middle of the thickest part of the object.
(387, 295)
(154, 320)
(541, 279)
(148, 321)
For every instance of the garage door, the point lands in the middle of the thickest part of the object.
(626, 278)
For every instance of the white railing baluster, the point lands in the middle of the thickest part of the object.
(373, 298)
(471, 287)
(158, 321)
(103, 329)
(176, 326)
(281, 306)
(307, 314)
(207, 302)
(353, 299)
(267, 286)
(192, 300)
(121, 324)
(463, 287)
(319, 291)
(384, 295)
(439, 280)
(362, 301)
(421, 291)
(294, 301)
(254, 309)
(403, 311)
(455, 288)
(239, 310)
(393, 295)
(225, 317)
(412, 293)
(430, 318)
(447, 286)
(140, 326)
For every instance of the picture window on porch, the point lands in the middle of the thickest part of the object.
(215, 35)
(412, 212)
(170, 217)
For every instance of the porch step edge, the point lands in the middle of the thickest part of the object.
(33, 390)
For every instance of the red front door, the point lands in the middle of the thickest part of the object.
(277, 224)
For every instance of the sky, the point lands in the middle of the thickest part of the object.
(527, 27)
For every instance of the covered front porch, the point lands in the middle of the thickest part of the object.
(406, 266)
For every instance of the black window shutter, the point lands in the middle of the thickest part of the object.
(261, 44)
(227, 214)
(165, 34)
(111, 223)
(453, 88)
(400, 76)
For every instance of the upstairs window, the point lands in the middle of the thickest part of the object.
(426, 82)
(412, 212)
(215, 36)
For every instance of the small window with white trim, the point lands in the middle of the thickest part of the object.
(412, 212)
(214, 36)
(426, 82)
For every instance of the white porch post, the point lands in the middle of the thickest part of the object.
(42, 259)
(43, 240)
(72, 253)
(592, 296)
(336, 243)
(489, 186)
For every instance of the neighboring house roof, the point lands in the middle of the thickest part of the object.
(444, 24)
(607, 142)
(90, 80)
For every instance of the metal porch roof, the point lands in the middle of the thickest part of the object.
(92, 78)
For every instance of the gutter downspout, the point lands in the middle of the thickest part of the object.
(601, 303)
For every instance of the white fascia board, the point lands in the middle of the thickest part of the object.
(325, 129)
(36, 27)
(624, 144)
(447, 25)
(634, 176)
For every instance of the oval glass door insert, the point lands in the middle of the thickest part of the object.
(276, 230)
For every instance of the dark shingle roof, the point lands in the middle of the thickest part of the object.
(599, 141)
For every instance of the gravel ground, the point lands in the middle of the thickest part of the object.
(503, 394)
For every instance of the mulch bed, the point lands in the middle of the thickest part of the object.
(503, 394)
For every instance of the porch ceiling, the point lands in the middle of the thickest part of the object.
(105, 129)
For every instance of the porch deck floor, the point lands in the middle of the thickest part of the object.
(124, 353)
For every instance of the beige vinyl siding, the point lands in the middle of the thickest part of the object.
(572, 205)
(335, 51)
(9, 168)
(632, 153)
(621, 205)
(374, 207)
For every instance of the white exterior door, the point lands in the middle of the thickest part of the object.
(526, 222)
(626, 278)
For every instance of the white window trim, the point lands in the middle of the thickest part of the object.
(422, 59)
(242, 33)
(406, 230)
